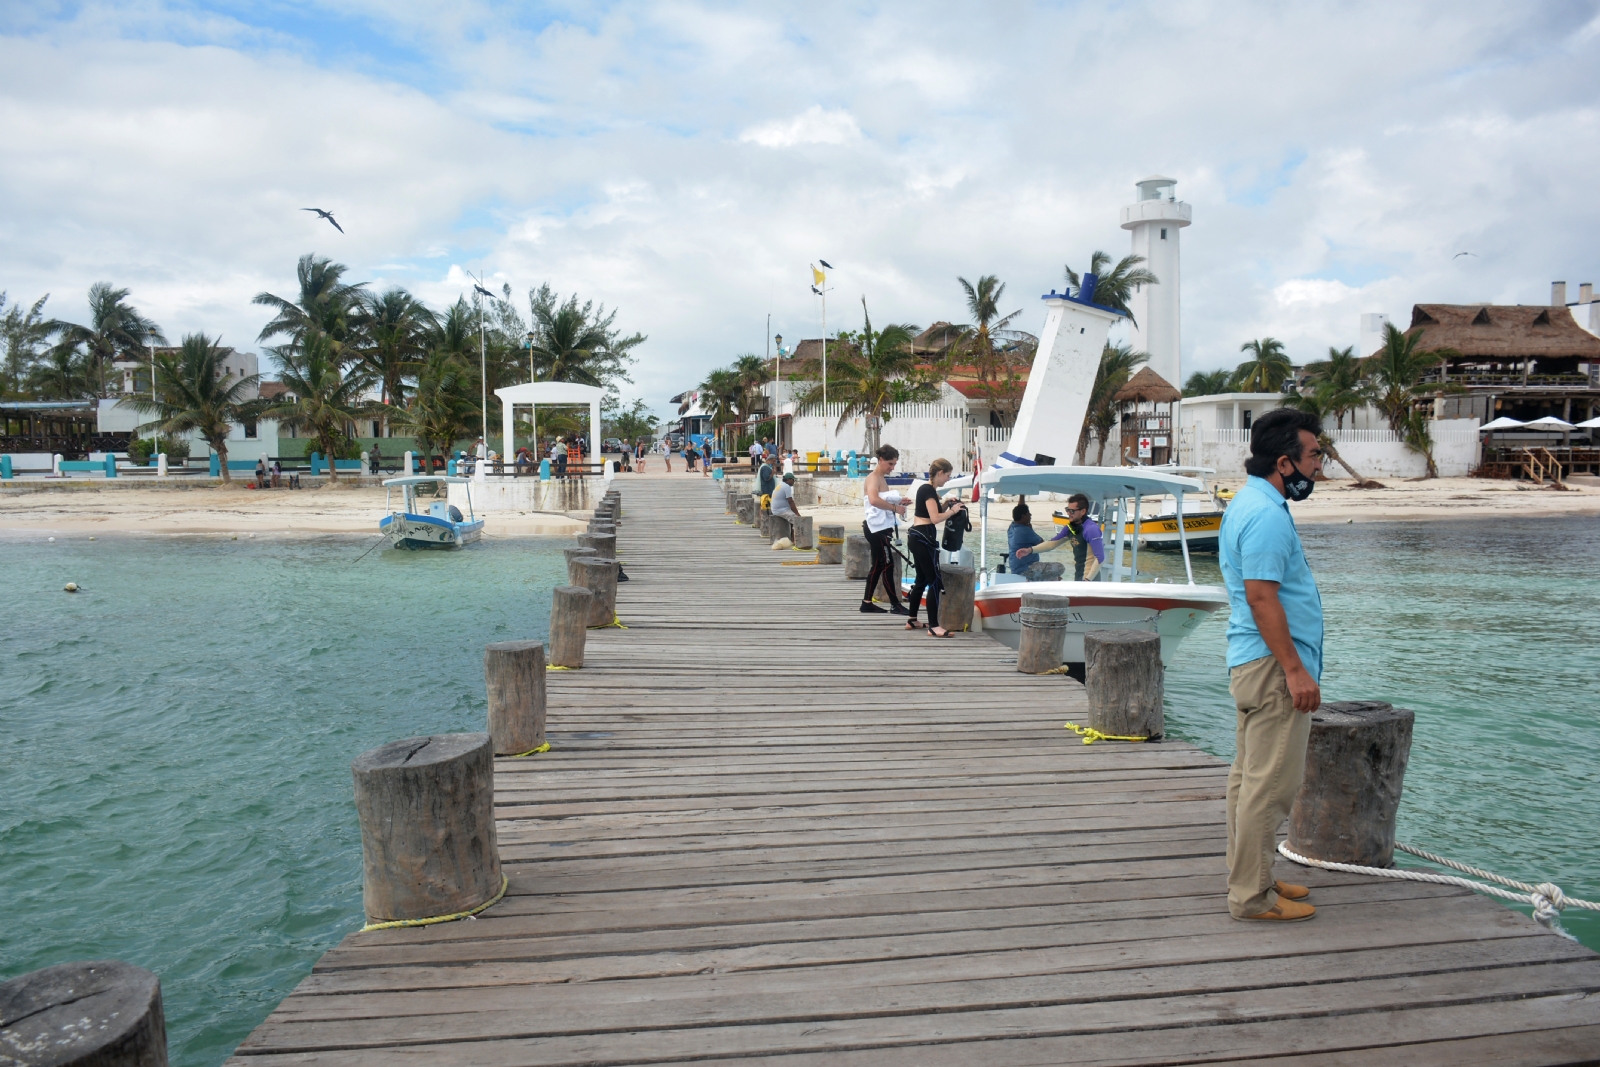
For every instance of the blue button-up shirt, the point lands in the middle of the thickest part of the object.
(1259, 542)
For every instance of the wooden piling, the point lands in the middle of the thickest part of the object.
(1123, 680)
(574, 575)
(778, 527)
(604, 545)
(857, 557)
(1044, 631)
(958, 585)
(93, 1013)
(1355, 774)
(600, 577)
(800, 528)
(513, 674)
(570, 606)
(427, 826)
(830, 543)
(744, 504)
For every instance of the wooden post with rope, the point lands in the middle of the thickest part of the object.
(1044, 631)
(427, 827)
(958, 586)
(570, 607)
(1123, 677)
(1355, 773)
(513, 675)
(600, 577)
(830, 543)
(857, 557)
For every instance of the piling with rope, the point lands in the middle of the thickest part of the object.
(570, 608)
(857, 557)
(1044, 632)
(1356, 761)
(1124, 683)
(600, 577)
(428, 846)
(830, 543)
(800, 527)
(513, 675)
(958, 587)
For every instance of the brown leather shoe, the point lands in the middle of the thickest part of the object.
(1284, 911)
(1290, 891)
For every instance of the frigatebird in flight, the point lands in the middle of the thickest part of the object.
(321, 214)
(1458, 255)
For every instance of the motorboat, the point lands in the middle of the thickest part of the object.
(1169, 609)
(441, 526)
(1202, 517)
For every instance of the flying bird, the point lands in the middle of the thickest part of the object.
(484, 291)
(825, 263)
(814, 289)
(1458, 255)
(321, 214)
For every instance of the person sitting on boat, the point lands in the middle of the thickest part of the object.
(1021, 539)
(1081, 534)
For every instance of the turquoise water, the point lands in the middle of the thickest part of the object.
(175, 740)
(175, 744)
(1490, 632)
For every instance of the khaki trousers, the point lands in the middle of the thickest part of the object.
(1268, 767)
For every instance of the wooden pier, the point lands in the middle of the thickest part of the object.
(773, 829)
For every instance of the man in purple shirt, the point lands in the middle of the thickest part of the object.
(1081, 532)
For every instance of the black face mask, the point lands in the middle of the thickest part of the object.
(1297, 486)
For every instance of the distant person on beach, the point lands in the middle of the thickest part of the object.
(884, 509)
(705, 458)
(1274, 658)
(666, 454)
(1081, 534)
(690, 454)
(639, 454)
(261, 473)
(374, 459)
(755, 453)
(277, 474)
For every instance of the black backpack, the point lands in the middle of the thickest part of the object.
(956, 527)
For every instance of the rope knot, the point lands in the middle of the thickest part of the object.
(1548, 900)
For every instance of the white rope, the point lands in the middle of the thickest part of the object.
(1546, 898)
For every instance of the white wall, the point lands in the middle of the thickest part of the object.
(922, 433)
(1375, 453)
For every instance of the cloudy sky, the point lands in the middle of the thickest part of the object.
(685, 161)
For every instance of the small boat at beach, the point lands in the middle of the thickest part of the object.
(1170, 610)
(1202, 518)
(441, 526)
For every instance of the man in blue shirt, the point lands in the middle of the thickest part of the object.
(1274, 658)
(1021, 536)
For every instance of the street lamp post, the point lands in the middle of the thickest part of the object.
(155, 441)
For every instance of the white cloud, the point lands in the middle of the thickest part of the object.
(811, 126)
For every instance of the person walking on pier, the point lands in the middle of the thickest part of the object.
(929, 514)
(1274, 658)
(884, 509)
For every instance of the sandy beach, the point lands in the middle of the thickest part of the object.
(86, 509)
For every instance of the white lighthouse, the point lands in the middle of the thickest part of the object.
(1155, 220)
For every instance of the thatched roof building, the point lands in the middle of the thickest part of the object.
(1493, 333)
(1148, 387)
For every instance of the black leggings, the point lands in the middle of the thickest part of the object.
(879, 544)
(925, 554)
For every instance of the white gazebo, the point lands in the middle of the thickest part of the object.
(547, 394)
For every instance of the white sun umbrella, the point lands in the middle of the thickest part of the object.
(1502, 423)
(1591, 424)
(1549, 424)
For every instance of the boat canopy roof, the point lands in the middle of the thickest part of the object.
(1097, 483)
(418, 479)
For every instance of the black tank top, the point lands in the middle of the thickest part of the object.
(925, 494)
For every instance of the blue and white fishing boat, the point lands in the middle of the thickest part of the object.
(441, 526)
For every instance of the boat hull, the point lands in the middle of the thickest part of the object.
(411, 531)
(1171, 611)
(1161, 532)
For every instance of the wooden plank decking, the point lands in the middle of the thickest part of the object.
(775, 830)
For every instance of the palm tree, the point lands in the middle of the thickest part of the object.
(394, 337)
(63, 374)
(326, 304)
(721, 397)
(23, 334)
(1338, 379)
(1208, 383)
(1267, 368)
(1319, 400)
(1113, 288)
(1117, 364)
(324, 402)
(874, 373)
(115, 328)
(576, 342)
(194, 395)
(996, 352)
(1394, 371)
(1418, 436)
(443, 407)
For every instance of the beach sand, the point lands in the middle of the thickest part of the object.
(84, 508)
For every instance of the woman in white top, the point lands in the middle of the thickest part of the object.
(788, 463)
(883, 511)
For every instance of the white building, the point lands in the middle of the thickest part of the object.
(1155, 220)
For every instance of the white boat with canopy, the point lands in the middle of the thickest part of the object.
(441, 526)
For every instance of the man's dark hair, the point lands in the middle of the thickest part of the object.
(1020, 513)
(888, 452)
(1078, 500)
(1277, 433)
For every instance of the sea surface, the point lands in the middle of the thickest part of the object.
(175, 739)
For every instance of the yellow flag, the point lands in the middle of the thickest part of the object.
(817, 276)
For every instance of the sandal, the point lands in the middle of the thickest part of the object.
(915, 625)
(947, 633)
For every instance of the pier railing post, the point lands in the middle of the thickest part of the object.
(427, 826)
(1355, 774)
(570, 607)
(1123, 677)
(600, 577)
(857, 557)
(830, 543)
(104, 1013)
(513, 675)
(1044, 631)
(958, 586)
(800, 528)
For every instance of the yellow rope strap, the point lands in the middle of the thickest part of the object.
(1058, 670)
(554, 667)
(533, 751)
(397, 923)
(608, 625)
(799, 563)
(829, 540)
(1090, 735)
